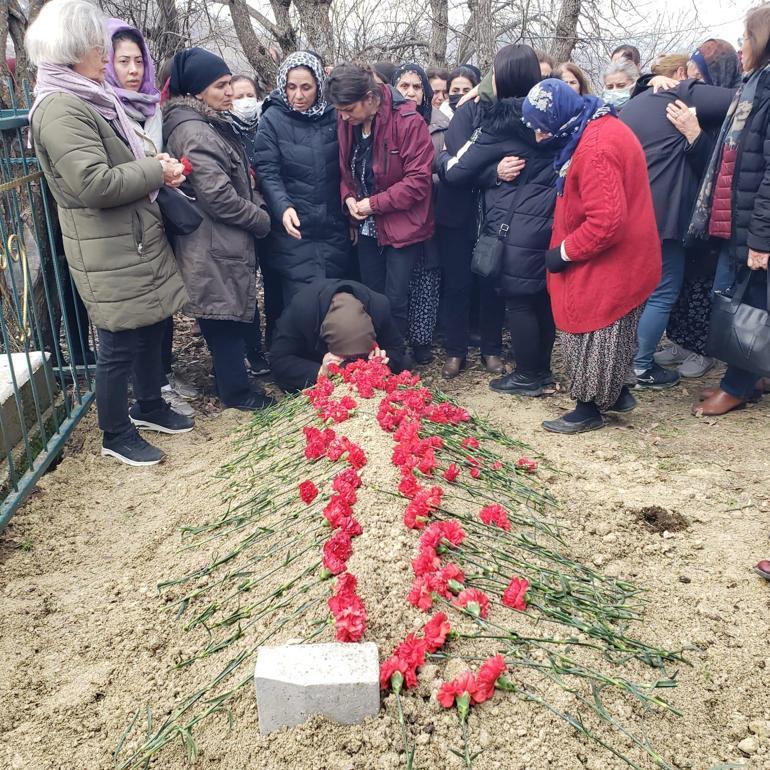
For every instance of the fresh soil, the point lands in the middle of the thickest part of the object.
(676, 504)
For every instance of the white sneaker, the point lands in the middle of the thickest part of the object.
(696, 365)
(178, 404)
(181, 386)
(672, 355)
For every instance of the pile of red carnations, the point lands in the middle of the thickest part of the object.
(405, 411)
(346, 606)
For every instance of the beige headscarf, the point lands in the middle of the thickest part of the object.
(347, 328)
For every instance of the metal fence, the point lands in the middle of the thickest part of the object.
(46, 342)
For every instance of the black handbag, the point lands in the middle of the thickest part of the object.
(488, 253)
(180, 214)
(739, 334)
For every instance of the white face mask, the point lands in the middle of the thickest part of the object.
(616, 96)
(246, 108)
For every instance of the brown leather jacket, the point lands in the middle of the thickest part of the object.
(218, 261)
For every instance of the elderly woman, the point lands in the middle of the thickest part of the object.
(386, 160)
(734, 200)
(605, 255)
(218, 260)
(105, 186)
(619, 80)
(413, 83)
(298, 163)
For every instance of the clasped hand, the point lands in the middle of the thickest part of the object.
(173, 170)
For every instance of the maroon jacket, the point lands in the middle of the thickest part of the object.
(402, 157)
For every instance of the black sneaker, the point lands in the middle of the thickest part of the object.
(657, 378)
(568, 427)
(132, 449)
(625, 403)
(422, 354)
(258, 365)
(519, 384)
(252, 403)
(163, 420)
(546, 378)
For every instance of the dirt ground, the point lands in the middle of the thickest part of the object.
(680, 505)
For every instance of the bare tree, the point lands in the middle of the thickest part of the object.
(439, 10)
(565, 34)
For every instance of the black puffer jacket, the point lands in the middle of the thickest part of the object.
(751, 181)
(298, 348)
(298, 166)
(673, 164)
(525, 205)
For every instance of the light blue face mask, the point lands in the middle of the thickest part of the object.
(616, 96)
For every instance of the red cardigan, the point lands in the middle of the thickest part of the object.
(402, 160)
(607, 222)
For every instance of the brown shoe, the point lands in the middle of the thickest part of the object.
(494, 364)
(452, 367)
(754, 398)
(717, 404)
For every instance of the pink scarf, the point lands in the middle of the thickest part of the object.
(100, 97)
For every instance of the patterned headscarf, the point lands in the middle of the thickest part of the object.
(313, 63)
(426, 108)
(554, 108)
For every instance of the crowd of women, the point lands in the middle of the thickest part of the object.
(470, 200)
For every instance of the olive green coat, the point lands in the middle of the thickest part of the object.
(114, 238)
(218, 260)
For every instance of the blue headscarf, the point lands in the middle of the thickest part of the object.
(554, 108)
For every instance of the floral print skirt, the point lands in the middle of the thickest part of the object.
(598, 362)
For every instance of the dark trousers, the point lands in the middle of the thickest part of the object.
(166, 349)
(134, 353)
(532, 331)
(388, 270)
(456, 246)
(227, 342)
(271, 283)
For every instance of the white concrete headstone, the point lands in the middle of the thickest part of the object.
(297, 681)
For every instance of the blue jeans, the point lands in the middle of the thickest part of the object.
(740, 383)
(656, 312)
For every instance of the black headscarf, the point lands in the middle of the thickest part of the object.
(194, 70)
(426, 108)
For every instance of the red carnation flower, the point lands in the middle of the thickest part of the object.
(337, 550)
(356, 457)
(436, 631)
(187, 167)
(515, 595)
(527, 465)
(350, 622)
(442, 530)
(409, 486)
(346, 491)
(464, 685)
(497, 465)
(452, 472)
(475, 473)
(349, 476)
(308, 491)
(474, 601)
(470, 442)
(488, 674)
(426, 562)
(495, 514)
(421, 595)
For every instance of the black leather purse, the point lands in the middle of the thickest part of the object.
(180, 214)
(739, 334)
(488, 253)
